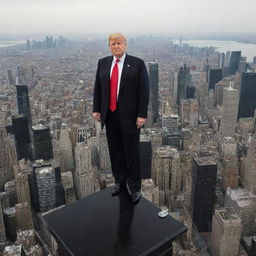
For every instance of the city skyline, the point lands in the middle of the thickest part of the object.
(197, 148)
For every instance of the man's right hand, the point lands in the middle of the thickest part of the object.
(96, 116)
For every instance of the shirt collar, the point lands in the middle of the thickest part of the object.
(121, 59)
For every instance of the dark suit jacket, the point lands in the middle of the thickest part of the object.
(133, 92)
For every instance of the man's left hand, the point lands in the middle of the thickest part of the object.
(140, 122)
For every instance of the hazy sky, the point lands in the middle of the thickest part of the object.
(128, 16)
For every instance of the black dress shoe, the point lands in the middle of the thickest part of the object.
(116, 190)
(136, 197)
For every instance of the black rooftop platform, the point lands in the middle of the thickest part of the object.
(102, 225)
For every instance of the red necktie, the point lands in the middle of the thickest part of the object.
(113, 87)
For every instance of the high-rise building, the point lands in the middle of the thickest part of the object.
(190, 92)
(11, 77)
(23, 102)
(22, 137)
(189, 109)
(172, 138)
(155, 138)
(184, 79)
(104, 158)
(66, 154)
(229, 163)
(2, 227)
(226, 232)
(249, 165)
(215, 75)
(247, 102)
(243, 65)
(10, 189)
(166, 173)
(153, 85)
(42, 144)
(9, 215)
(145, 156)
(222, 59)
(229, 109)
(6, 158)
(204, 175)
(170, 122)
(244, 203)
(81, 134)
(234, 62)
(150, 191)
(84, 176)
(24, 216)
(22, 187)
(68, 185)
(45, 185)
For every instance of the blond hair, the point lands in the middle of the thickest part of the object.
(116, 35)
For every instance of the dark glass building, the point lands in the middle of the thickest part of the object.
(204, 175)
(215, 75)
(21, 131)
(145, 156)
(184, 79)
(153, 85)
(23, 102)
(234, 62)
(42, 144)
(190, 92)
(172, 138)
(45, 186)
(247, 99)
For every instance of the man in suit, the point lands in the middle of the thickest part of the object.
(120, 103)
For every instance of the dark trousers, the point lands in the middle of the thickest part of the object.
(124, 153)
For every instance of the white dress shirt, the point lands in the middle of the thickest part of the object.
(120, 65)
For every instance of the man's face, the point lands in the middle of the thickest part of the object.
(117, 46)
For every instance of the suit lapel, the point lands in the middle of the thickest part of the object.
(109, 63)
(107, 70)
(126, 61)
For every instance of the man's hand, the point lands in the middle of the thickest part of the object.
(140, 121)
(96, 116)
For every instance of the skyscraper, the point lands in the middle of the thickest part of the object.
(184, 79)
(153, 85)
(247, 100)
(22, 136)
(190, 91)
(104, 158)
(42, 144)
(84, 176)
(167, 173)
(215, 75)
(189, 109)
(226, 232)
(22, 187)
(204, 175)
(249, 164)
(234, 62)
(66, 154)
(244, 203)
(23, 102)
(229, 163)
(229, 109)
(2, 228)
(24, 216)
(145, 156)
(6, 173)
(170, 122)
(45, 185)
